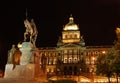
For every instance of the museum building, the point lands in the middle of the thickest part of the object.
(71, 56)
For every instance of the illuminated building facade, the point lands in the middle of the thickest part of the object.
(71, 54)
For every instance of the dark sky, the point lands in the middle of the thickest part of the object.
(97, 21)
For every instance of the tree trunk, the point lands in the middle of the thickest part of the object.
(108, 79)
(117, 77)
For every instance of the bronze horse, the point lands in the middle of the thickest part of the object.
(31, 31)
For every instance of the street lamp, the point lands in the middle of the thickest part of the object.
(91, 75)
(103, 52)
(79, 76)
(93, 59)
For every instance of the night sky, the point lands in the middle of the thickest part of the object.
(97, 20)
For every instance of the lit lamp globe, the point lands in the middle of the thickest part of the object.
(19, 45)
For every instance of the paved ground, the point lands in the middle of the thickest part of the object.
(8, 80)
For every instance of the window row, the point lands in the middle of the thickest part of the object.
(71, 36)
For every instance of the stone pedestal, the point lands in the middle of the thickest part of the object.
(26, 69)
(27, 52)
(20, 71)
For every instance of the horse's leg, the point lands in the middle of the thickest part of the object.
(31, 39)
(24, 36)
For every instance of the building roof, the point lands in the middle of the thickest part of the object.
(71, 25)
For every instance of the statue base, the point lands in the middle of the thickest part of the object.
(28, 71)
(27, 53)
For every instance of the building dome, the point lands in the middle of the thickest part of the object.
(71, 25)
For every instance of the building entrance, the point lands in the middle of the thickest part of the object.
(70, 70)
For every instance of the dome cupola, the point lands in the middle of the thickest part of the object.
(71, 25)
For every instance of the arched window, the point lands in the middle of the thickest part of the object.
(70, 35)
(65, 60)
(75, 36)
(75, 60)
(70, 60)
(66, 36)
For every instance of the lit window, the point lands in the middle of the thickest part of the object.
(65, 36)
(75, 36)
(70, 51)
(87, 61)
(47, 70)
(70, 60)
(103, 52)
(65, 60)
(70, 36)
(49, 62)
(75, 60)
(52, 70)
(93, 60)
(65, 51)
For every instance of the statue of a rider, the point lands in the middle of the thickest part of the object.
(31, 31)
(35, 32)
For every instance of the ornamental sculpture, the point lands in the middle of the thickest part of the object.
(11, 53)
(118, 33)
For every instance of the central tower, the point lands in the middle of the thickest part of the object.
(71, 47)
(71, 33)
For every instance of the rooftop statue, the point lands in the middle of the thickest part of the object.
(117, 42)
(31, 31)
(118, 33)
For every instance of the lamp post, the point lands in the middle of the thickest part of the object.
(108, 61)
(93, 58)
(91, 75)
(79, 76)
